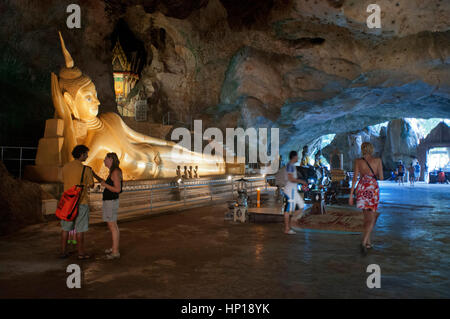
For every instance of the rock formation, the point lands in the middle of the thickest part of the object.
(20, 203)
(401, 144)
(397, 141)
(350, 145)
(308, 67)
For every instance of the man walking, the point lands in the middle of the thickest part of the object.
(72, 173)
(417, 171)
(293, 202)
(411, 175)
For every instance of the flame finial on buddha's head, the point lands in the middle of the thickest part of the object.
(71, 79)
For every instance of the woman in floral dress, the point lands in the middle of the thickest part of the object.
(369, 169)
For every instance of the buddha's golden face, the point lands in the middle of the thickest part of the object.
(86, 102)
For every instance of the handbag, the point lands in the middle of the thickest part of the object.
(68, 204)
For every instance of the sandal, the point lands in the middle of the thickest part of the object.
(369, 246)
(82, 257)
(113, 256)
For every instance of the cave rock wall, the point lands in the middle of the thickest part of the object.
(397, 141)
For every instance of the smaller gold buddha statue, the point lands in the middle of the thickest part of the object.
(318, 159)
(185, 173)
(305, 158)
(196, 172)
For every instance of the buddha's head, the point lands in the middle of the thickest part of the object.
(78, 89)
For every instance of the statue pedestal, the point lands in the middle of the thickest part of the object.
(43, 173)
(235, 168)
(337, 175)
(48, 166)
(50, 146)
(49, 206)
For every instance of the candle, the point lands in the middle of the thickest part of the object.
(258, 198)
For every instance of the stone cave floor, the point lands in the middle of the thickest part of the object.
(196, 254)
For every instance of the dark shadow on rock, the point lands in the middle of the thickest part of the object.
(20, 203)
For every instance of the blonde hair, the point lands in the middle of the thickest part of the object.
(366, 148)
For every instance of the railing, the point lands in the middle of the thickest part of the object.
(166, 119)
(161, 196)
(19, 152)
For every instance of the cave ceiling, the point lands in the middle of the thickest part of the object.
(308, 67)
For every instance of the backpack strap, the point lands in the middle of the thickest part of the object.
(82, 176)
(375, 176)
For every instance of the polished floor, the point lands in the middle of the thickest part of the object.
(196, 254)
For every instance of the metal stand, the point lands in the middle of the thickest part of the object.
(318, 200)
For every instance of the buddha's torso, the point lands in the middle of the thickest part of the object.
(139, 159)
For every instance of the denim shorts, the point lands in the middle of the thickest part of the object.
(80, 223)
(110, 209)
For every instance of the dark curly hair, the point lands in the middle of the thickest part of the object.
(79, 150)
(292, 154)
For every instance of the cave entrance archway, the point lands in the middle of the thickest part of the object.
(437, 158)
(439, 137)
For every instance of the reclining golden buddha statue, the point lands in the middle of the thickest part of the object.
(77, 122)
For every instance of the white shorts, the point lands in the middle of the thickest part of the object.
(293, 201)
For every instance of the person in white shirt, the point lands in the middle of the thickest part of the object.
(293, 201)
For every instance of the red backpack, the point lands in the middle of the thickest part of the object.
(68, 204)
